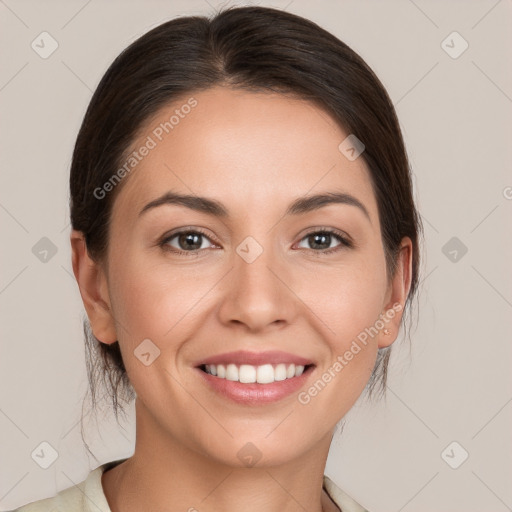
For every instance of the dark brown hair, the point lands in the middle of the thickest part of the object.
(256, 49)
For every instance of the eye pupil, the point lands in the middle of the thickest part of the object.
(184, 240)
(315, 237)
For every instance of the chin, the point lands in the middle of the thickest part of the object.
(266, 449)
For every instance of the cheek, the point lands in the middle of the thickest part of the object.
(152, 300)
(155, 303)
(348, 298)
(348, 315)
(348, 305)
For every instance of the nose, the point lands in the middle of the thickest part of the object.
(258, 295)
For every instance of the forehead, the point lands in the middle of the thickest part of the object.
(249, 150)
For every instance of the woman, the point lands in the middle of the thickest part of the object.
(245, 241)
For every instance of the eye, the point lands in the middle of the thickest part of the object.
(189, 242)
(320, 241)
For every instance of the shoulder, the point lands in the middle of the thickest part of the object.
(86, 496)
(345, 502)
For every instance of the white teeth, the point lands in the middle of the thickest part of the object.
(249, 374)
(221, 370)
(280, 372)
(231, 372)
(265, 374)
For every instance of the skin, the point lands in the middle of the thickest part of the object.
(290, 298)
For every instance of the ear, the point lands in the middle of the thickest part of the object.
(93, 287)
(396, 295)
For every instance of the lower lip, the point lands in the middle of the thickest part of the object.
(256, 393)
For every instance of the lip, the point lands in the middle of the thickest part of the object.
(256, 358)
(255, 394)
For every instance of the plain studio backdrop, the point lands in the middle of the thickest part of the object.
(441, 440)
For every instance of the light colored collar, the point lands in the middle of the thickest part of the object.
(345, 502)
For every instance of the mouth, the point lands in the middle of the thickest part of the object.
(251, 378)
(251, 374)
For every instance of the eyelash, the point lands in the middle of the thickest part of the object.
(344, 242)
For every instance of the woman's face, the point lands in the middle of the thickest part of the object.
(256, 286)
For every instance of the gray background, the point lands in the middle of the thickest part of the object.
(454, 383)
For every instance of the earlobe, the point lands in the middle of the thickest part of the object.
(93, 290)
(397, 295)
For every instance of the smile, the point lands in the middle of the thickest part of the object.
(250, 374)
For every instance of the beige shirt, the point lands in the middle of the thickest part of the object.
(88, 496)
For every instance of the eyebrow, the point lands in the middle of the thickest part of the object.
(300, 206)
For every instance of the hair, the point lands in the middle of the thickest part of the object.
(256, 49)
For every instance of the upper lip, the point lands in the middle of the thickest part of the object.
(256, 358)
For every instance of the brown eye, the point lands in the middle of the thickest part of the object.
(185, 242)
(320, 241)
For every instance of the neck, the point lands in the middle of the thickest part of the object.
(164, 474)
